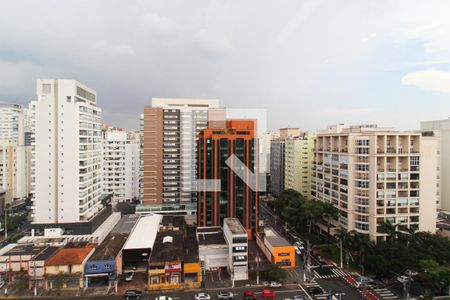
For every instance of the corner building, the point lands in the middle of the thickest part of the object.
(374, 175)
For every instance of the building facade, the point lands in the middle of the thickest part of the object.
(440, 129)
(237, 241)
(12, 122)
(169, 130)
(235, 199)
(298, 163)
(374, 175)
(66, 154)
(120, 164)
(277, 161)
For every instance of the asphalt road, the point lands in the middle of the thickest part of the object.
(282, 293)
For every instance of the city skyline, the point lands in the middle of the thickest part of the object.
(382, 57)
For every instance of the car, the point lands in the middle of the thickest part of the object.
(320, 260)
(315, 290)
(266, 283)
(268, 294)
(129, 276)
(249, 295)
(274, 284)
(163, 298)
(202, 296)
(298, 252)
(411, 273)
(224, 295)
(296, 297)
(133, 294)
(363, 281)
(130, 268)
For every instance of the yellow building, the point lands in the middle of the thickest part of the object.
(276, 248)
(298, 163)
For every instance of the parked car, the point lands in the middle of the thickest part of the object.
(133, 294)
(224, 295)
(274, 284)
(249, 295)
(266, 283)
(129, 276)
(362, 281)
(202, 296)
(403, 279)
(268, 294)
(163, 298)
(315, 290)
(298, 252)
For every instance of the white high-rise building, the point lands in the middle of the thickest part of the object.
(14, 155)
(440, 129)
(66, 154)
(12, 122)
(374, 175)
(121, 164)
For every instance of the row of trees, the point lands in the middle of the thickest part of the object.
(302, 213)
(404, 248)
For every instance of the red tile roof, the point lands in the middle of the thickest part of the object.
(69, 256)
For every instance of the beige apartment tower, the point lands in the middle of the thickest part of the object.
(374, 175)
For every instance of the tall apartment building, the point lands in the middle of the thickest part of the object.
(440, 129)
(169, 130)
(14, 169)
(120, 164)
(12, 122)
(267, 141)
(235, 199)
(277, 151)
(298, 163)
(374, 175)
(14, 155)
(66, 154)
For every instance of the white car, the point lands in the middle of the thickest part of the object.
(129, 276)
(403, 279)
(163, 298)
(202, 296)
(275, 284)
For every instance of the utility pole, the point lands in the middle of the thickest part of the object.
(340, 245)
(257, 269)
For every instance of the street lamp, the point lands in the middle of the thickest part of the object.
(258, 259)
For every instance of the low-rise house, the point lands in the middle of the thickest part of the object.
(16, 258)
(104, 267)
(174, 261)
(276, 248)
(36, 271)
(212, 248)
(65, 269)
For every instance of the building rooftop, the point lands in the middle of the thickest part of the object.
(274, 239)
(173, 221)
(209, 229)
(144, 233)
(70, 255)
(48, 252)
(26, 249)
(215, 238)
(175, 245)
(126, 224)
(234, 225)
(110, 247)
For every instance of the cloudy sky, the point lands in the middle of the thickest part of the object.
(309, 62)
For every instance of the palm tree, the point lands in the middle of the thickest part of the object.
(390, 229)
(343, 236)
(329, 212)
(313, 211)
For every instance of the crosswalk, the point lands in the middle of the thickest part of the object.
(335, 272)
(385, 293)
(314, 283)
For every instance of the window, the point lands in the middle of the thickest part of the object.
(108, 267)
(93, 267)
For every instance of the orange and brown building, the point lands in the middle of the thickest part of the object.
(235, 199)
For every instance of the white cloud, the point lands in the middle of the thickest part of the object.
(429, 80)
(157, 23)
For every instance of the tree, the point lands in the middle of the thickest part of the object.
(390, 229)
(435, 273)
(313, 211)
(329, 212)
(275, 273)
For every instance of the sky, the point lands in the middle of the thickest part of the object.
(310, 63)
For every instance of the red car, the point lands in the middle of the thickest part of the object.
(268, 294)
(249, 295)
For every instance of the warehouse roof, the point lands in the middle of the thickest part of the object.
(70, 256)
(144, 233)
(110, 247)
